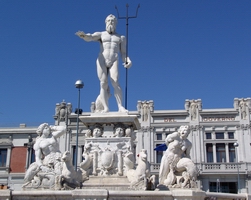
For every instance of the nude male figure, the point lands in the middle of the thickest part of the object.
(111, 44)
(47, 154)
(46, 145)
(178, 146)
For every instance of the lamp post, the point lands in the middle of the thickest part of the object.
(79, 85)
(236, 156)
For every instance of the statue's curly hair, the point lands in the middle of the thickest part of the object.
(112, 16)
(183, 128)
(41, 128)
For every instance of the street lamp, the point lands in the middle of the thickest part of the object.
(236, 156)
(79, 85)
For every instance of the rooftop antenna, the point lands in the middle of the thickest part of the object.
(127, 18)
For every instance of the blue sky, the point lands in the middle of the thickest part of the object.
(180, 49)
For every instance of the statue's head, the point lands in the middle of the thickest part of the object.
(119, 132)
(184, 131)
(143, 154)
(97, 131)
(43, 129)
(111, 23)
(89, 133)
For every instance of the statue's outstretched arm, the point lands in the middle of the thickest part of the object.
(88, 36)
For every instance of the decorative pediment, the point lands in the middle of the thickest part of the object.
(5, 142)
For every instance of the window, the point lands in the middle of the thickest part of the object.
(224, 187)
(220, 152)
(231, 152)
(31, 156)
(73, 154)
(159, 136)
(230, 135)
(219, 135)
(3, 157)
(159, 155)
(33, 159)
(209, 148)
(208, 136)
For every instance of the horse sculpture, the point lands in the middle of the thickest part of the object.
(69, 179)
(140, 177)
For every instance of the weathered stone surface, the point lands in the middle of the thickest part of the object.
(111, 118)
(177, 170)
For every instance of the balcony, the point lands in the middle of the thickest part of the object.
(224, 168)
(215, 168)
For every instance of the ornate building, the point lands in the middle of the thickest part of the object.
(221, 142)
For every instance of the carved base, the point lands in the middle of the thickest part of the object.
(111, 118)
(109, 183)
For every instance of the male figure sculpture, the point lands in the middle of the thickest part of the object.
(111, 44)
(47, 157)
(178, 148)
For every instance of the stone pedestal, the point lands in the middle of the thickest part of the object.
(110, 145)
(188, 194)
(104, 194)
(109, 183)
(111, 118)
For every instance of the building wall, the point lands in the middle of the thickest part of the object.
(18, 160)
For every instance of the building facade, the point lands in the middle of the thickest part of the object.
(220, 137)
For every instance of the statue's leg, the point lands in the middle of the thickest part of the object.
(114, 75)
(102, 75)
(164, 169)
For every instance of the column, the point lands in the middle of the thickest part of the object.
(120, 163)
(214, 153)
(79, 154)
(227, 152)
(202, 146)
(8, 157)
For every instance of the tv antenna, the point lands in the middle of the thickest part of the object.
(127, 19)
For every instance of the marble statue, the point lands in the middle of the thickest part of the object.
(111, 44)
(176, 168)
(119, 131)
(243, 108)
(98, 105)
(48, 170)
(97, 131)
(47, 156)
(69, 178)
(88, 133)
(87, 163)
(144, 108)
(139, 178)
(193, 106)
(62, 110)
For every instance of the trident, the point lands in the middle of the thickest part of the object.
(127, 18)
